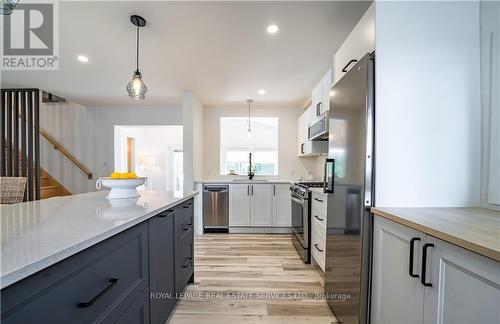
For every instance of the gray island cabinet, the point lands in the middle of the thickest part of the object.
(133, 276)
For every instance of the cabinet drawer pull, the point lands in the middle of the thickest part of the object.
(318, 218)
(412, 247)
(188, 227)
(317, 248)
(424, 264)
(318, 200)
(111, 281)
(187, 262)
(347, 65)
(168, 212)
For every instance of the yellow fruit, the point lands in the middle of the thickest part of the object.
(132, 175)
(115, 175)
(124, 176)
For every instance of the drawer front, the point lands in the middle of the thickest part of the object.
(138, 312)
(184, 214)
(318, 222)
(318, 248)
(319, 204)
(96, 283)
(184, 263)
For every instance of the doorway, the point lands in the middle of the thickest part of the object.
(152, 151)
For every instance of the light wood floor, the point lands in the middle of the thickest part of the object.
(248, 278)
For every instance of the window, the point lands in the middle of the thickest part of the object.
(236, 144)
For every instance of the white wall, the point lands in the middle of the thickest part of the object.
(290, 166)
(192, 112)
(427, 104)
(88, 133)
(490, 80)
(72, 126)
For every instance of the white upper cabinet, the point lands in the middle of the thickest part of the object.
(320, 97)
(305, 146)
(282, 213)
(360, 41)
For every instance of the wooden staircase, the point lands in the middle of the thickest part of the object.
(49, 187)
(20, 134)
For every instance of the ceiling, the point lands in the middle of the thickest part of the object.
(218, 50)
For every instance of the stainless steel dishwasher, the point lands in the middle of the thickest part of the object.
(215, 209)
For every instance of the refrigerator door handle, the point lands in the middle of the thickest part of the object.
(329, 177)
(370, 135)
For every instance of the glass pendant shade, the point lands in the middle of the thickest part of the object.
(136, 87)
(8, 6)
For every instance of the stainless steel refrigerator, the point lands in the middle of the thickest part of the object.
(349, 180)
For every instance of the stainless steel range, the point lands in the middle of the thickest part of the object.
(301, 217)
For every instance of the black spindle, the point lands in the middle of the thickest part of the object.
(37, 144)
(15, 120)
(30, 146)
(9, 134)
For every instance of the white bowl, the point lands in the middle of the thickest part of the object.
(121, 188)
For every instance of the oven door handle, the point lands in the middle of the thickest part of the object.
(298, 201)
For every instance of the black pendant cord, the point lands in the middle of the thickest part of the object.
(137, 62)
(249, 116)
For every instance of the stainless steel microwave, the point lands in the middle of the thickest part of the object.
(318, 129)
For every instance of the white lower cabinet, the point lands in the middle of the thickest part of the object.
(259, 205)
(239, 205)
(396, 296)
(282, 206)
(465, 286)
(457, 287)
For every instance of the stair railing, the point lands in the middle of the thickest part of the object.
(20, 135)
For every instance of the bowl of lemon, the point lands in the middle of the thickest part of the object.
(123, 185)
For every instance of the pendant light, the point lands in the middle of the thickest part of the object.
(136, 87)
(8, 6)
(249, 101)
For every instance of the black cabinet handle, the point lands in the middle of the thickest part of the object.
(168, 212)
(318, 200)
(318, 218)
(187, 262)
(302, 151)
(111, 281)
(347, 65)
(410, 267)
(318, 109)
(424, 264)
(188, 227)
(317, 248)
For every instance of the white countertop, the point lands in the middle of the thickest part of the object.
(318, 190)
(475, 229)
(243, 181)
(35, 235)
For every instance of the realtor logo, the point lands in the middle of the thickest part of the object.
(30, 39)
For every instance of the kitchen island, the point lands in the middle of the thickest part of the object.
(79, 259)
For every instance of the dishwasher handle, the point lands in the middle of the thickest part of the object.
(215, 189)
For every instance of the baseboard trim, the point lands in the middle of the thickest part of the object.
(260, 230)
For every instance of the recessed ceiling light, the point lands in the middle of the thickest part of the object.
(83, 59)
(262, 92)
(272, 29)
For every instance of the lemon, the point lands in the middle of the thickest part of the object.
(124, 175)
(115, 175)
(132, 175)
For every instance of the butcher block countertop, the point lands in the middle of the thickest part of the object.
(474, 229)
